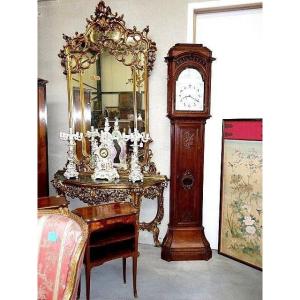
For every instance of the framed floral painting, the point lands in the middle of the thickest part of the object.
(240, 227)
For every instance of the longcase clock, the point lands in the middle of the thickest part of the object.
(189, 77)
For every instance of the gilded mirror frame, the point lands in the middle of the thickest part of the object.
(107, 31)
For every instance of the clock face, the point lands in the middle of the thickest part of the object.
(189, 91)
(103, 152)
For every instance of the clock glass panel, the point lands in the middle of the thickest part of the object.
(189, 90)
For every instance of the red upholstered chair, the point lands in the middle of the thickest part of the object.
(62, 240)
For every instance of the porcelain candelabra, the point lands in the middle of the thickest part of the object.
(92, 135)
(71, 137)
(138, 139)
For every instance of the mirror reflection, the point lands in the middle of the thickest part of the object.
(109, 87)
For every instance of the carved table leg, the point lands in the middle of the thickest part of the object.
(153, 225)
(136, 200)
(59, 189)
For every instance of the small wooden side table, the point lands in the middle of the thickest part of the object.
(52, 202)
(113, 233)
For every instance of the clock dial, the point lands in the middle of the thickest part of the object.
(103, 152)
(189, 91)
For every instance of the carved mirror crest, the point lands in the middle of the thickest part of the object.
(107, 69)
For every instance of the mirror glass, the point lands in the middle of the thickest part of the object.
(107, 70)
(109, 92)
(189, 91)
(106, 89)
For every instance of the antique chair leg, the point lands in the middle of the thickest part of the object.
(134, 269)
(87, 281)
(124, 269)
(79, 289)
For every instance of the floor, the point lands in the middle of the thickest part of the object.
(220, 278)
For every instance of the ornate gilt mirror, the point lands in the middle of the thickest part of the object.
(107, 69)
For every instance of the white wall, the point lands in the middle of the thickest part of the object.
(167, 20)
(236, 41)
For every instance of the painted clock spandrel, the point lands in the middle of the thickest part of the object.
(189, 91)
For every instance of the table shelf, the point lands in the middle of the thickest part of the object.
(99, 255)
(113, 235)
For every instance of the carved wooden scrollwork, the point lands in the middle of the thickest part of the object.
(153, 225)
(187, 180)
(148, 167)
(107, 31)
(92, 196)
(191, 57)
(152, 192)
(188, 139)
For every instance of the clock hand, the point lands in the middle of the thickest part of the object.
(189, 96)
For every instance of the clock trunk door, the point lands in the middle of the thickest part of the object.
(189, 175)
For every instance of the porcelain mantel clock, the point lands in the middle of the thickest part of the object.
(189, 76)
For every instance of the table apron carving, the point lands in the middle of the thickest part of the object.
(95, 194)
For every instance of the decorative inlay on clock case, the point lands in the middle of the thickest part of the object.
(188, 139)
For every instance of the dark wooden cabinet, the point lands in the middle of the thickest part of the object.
(189, 68)
(113, 233)
(43, 185)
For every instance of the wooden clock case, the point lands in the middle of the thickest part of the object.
(185, 238)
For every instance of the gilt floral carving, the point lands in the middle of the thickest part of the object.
(107, 31)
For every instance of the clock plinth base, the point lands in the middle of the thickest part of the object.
(185, 243)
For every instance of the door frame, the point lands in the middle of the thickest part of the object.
(207, 7)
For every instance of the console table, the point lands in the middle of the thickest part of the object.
(99, 192)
